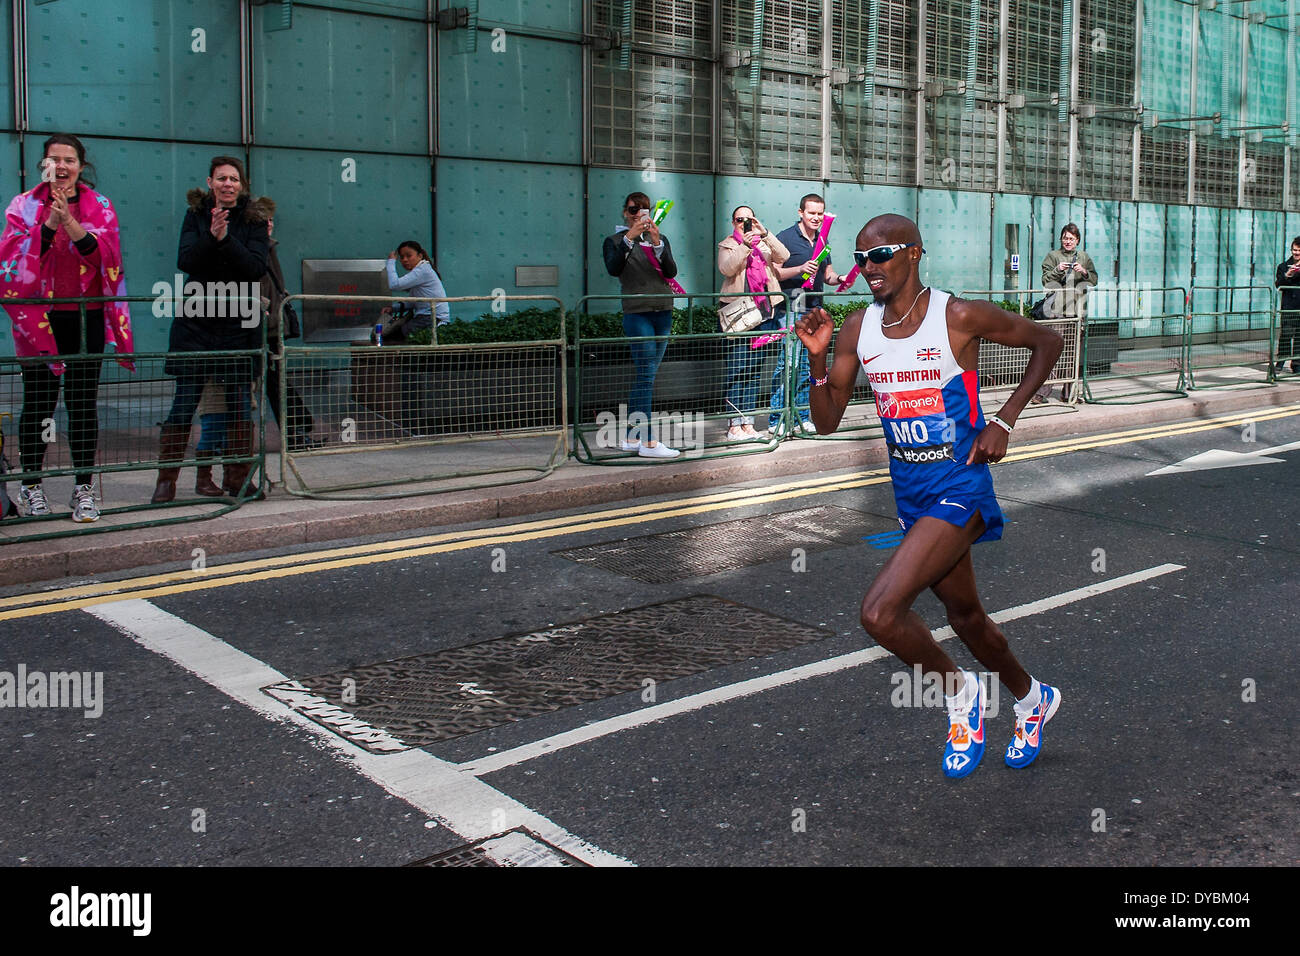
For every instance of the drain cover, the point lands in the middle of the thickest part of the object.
(512, 848)
(416, 701)
(695, 552)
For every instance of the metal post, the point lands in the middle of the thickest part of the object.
(922, 11)
(1241, 113)
(715, 106)
(19, 23)
(1140, 35)
(1003, 19)
(1191, 130)
(828, 61)
(245, 74)
(1074, 100)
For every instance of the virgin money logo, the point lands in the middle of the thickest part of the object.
(913, 404)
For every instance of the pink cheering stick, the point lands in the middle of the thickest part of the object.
(849, 279)
(818, 248)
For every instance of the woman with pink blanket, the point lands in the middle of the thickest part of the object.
(747, 260)
(61, 241)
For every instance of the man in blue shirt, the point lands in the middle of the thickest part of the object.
(800, 239)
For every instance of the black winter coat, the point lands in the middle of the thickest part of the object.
(241, 257)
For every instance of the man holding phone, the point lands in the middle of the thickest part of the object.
(1288, 280)
(801, 241)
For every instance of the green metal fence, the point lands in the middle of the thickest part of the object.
(1287, 358)
(1135, 344)
(1231, 327)
(433, 418)
(1002, 368)
(124, 443)
(703, 383)
(860, 419)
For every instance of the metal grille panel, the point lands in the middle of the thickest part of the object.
(420, 700)
(658, 109)
(774, 131)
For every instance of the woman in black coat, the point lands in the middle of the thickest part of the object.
(224, 248)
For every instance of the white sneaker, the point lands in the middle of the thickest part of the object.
(630, 445)
(31, 501)
(657, 451)
(808, 428)
(83, 505)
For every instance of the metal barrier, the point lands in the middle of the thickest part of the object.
(860, 419)
(1003, 367)
(1135, 344)
(1231, 327)
(699, 383)
(114, 429)
(1287, 357)
(425, 414)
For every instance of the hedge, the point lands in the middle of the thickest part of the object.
(534, 324)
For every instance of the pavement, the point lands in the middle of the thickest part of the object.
(285, 520)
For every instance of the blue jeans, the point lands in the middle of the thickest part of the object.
(778, 377)
(743, 365)
(189, 390)
(646, 356)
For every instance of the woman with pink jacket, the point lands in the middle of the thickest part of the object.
(61, 241)
(747, 260)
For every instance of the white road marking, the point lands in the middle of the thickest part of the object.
(508, 758)
(466, 806)
(1218, 458)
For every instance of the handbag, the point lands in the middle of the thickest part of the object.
(740, 315)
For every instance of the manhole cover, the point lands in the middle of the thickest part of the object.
(694, 552)
(512, 848)
(416, 701)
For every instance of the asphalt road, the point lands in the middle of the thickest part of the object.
(1174, 744)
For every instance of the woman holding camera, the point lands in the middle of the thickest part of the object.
(61, 239)
(1068, 274)
(747, 259)
(643, 262)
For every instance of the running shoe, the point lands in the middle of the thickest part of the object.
(31, 501)
(1028, 741)
(965, 738)
(83, 505)
(659, 450)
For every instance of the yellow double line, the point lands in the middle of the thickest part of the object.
(265, 569)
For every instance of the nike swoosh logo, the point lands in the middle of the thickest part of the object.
(872, 359)
(945, 501)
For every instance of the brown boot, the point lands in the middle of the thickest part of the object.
(203, 483)
(171, 447)
(239, 441)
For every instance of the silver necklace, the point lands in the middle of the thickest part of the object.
(890, 325)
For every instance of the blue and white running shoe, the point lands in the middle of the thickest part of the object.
(1028, 741)
(965, 738)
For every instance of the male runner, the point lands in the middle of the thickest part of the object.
(919, 347)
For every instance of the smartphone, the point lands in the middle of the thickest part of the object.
(746, 225)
